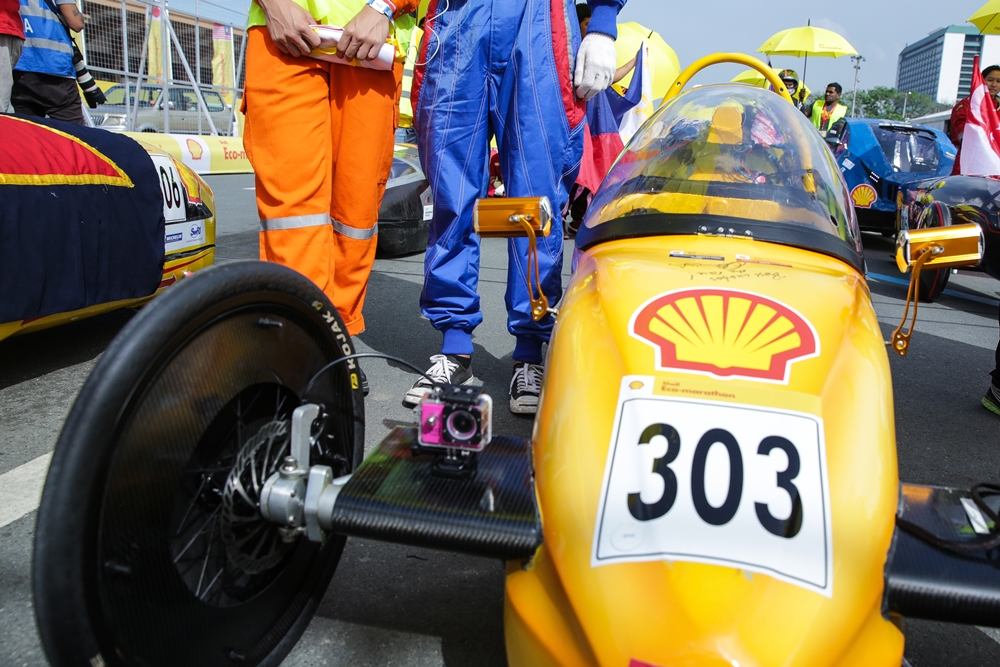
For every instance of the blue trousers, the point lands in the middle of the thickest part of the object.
(498, 68)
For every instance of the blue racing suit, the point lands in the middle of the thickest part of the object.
(503, 68)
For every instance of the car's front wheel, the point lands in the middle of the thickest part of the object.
(150, 548)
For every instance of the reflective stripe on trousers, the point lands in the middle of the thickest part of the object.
(315, 220)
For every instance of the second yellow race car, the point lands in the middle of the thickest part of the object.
(711, 481)
(92, 221)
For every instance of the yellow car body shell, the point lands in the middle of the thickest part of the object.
(175, 265)
(560, 610)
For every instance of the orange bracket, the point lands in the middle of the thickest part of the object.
(901, 341)
(539, 306)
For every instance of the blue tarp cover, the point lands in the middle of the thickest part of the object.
(81, 218)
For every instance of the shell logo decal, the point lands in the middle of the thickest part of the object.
(724, 333)
(864, 196)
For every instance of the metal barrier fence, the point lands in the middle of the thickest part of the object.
(127, 42)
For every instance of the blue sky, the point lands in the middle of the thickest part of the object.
(878, 29)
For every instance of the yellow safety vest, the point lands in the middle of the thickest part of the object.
(839, 111)
(412, 55)
(339, 13)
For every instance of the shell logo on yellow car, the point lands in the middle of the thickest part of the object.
(864, 196)
(724, 333)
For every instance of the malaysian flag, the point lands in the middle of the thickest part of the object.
(223, 32)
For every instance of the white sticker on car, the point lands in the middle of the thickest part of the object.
(724, 484)
(184, 235)
(171, 187)
(848, 163)
(428, 211)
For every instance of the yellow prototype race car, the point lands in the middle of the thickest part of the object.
(712, 478)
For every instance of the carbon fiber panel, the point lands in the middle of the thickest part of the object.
(394, 497)
(925, 581)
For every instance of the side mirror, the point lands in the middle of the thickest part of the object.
(945, 247)
(941, 247)
(503, 217)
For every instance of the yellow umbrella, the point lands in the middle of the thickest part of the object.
(987, 18)
(664, 67)
(807, 41)
(752, 77)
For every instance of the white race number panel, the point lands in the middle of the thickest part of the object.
(718, 483)
(172, 189)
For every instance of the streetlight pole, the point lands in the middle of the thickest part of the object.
(906, 98)
(857, 71)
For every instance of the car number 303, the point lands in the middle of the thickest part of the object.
(717, 483)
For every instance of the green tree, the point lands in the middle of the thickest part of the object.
(888, 103)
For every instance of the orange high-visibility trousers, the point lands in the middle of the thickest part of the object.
(320, 138)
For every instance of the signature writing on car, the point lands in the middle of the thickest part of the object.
(729, 272)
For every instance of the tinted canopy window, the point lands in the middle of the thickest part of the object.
(908, 149)
(726, 152)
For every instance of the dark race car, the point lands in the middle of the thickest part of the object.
(953, 200)
(877, 157)
(407, 206)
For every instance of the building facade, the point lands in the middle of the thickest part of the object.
(940, 65)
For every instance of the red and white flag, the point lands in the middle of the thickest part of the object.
(981, 139)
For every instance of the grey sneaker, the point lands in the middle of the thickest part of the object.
(525, 387)
(445, 369)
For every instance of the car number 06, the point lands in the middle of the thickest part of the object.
(174, 199)
(719, 483)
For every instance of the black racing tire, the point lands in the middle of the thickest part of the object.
(933, 281)
(145, 554)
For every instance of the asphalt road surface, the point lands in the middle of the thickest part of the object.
(400, 606)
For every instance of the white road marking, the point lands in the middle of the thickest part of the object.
(992, 633)
(21, 489)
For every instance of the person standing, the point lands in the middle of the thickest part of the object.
(406, 134)
(516, 70)
(11, 41)
(960, 113)
(829, 110)
(798, 92)
(319, 135)
(44, 77)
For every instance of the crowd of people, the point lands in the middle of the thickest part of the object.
(320, 137)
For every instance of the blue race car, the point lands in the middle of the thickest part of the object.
(879, 156)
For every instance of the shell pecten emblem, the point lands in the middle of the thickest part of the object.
(726, 334)
(864, 196)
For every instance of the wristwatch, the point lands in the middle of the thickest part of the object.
(383, 6)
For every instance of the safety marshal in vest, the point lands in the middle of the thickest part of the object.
(829, 110)
(44, 77)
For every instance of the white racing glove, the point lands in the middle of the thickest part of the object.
(595, 65)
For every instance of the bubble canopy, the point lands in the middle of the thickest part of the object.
(730, 160)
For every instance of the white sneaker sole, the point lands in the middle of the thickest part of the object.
(413, 397)
(524, 406)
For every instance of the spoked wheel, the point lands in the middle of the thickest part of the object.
(933, 281)
(150, 548)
